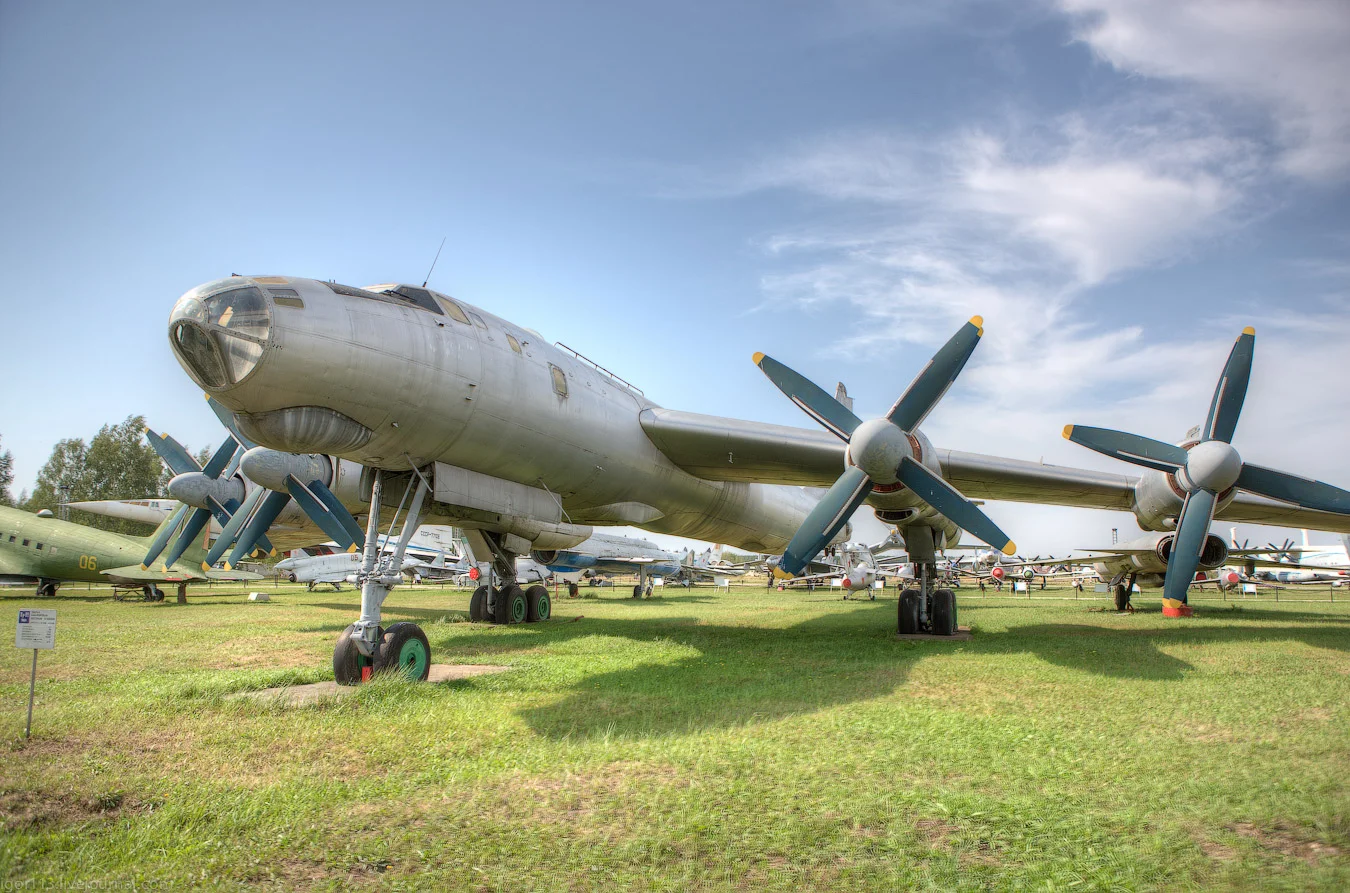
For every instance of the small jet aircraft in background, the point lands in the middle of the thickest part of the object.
(607, 553)
(48, 552)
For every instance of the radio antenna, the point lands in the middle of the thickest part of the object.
(433, 263)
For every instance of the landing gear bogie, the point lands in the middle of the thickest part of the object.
(909, 612)
(510, 606)
(538, 604)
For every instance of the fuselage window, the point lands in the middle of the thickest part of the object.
(559, 380)
(454, 311)
(25, 542)
(39, 545)
(11, 537)
(478, 321)
(511, 340)
(52, 550)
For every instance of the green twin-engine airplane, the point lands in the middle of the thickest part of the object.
(48, 552)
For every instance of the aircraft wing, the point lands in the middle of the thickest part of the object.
(132, 573)
(722, 449)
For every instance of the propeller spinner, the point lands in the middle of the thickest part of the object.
(879, 453)
(1210, 467)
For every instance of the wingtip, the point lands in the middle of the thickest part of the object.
(758, 357)
(1010, 549)
(1068, 432)
(1250, 330)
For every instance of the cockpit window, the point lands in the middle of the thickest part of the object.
(219, 330)
(418, 297)
(453, 310)
(511, 340)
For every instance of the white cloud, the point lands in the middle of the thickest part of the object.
(1290, 57)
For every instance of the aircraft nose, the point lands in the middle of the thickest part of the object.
(218, 331)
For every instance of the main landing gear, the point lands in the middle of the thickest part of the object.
(1123, 588)
(925, 609)
(366, 648)
(47, 588)
(511, 604)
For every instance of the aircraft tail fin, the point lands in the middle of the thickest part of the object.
(841, 394)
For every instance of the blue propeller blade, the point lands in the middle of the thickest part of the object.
(955, 507)
(825, 520)
(1197, 513)
(179, 460)
(195, 522)
(267, 512)
(162, 537)
(227, 419)
(832, 415)
(230, 532)
(935, 378)
(220, 458)
(1305, 492)
(330, 522)
(1222, 418)
(1132, 448)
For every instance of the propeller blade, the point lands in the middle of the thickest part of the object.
(1130, 448)
(262, 519)
(955, 507)
(179, 460)
(1197, 513)
(195, 522)
(220, 458)
(323, 508)
(162, 537)
(832, 415)
(825, 520)
(1226, 406)
(230, 532)
(935, 378)
(227, 419)
(1287, 487)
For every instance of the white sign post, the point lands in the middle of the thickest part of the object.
(36, 629)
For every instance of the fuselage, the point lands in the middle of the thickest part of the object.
(402, 380)
(610, 554)
(33, 548)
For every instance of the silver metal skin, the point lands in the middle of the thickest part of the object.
(1212, 465)
(269, 468)
(194, 488)
(877, 446)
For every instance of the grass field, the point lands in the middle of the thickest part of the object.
(745, 740)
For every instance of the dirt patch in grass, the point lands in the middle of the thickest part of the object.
(573, 796)
(935, 832)
(22, 810)
(1286, 841)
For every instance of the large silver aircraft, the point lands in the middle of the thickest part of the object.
(525, 445)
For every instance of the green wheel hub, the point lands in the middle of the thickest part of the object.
(518, 608)
(413, 659)
(545, 607)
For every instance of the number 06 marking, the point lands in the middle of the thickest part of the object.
(89, 562)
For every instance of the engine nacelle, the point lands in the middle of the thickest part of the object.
(193, 488)
(1158, 498)
(1151, 555)
(269, 468)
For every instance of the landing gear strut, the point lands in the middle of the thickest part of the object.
(47, 588)
(1124, 588)
(508, 602)
(365, 647)
(925, 609)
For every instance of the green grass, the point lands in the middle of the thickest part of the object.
(746, 740)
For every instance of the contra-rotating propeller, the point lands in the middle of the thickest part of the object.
(282, 477)
(879, 454)
(1210, 467)
(203, 491)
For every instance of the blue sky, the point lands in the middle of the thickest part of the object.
(1118, 187)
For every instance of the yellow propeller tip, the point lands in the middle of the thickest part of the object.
(352, 547)
(205, 566)
(1172, 602)
(780, 574)
(1010, 549)
(273, 553)
(145, 567)
(228, 566)
(1068, 432)
(758, 357)
(977, 322)
(1250, 330)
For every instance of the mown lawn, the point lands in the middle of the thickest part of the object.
(747, 740)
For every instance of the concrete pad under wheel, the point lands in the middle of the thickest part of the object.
(963, 634)
(299, 695)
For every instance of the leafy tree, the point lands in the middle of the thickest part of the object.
(116, 464)
(6, 477)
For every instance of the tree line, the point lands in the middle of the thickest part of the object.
(116, 463)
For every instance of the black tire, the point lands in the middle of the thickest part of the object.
(290, 578)
(347, 657)
(538, 604)
(909, 612)
(157, 595)
(573, 590)
(944, 612)
(478, 605)
(511, 606)
(1122, 597)
(404, 649)
(637, 591)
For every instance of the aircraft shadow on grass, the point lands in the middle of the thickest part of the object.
(757, 674)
